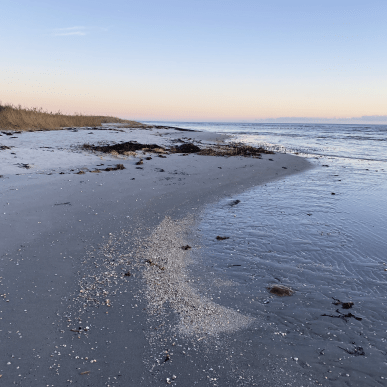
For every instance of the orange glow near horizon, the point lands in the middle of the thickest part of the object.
(192, 100)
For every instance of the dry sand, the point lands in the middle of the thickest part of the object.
(93, 276)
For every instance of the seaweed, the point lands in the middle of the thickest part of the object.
(280, 290)
(130, 146)
(343, 316)
(186, 148)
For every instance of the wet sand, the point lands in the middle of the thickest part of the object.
(75, 278)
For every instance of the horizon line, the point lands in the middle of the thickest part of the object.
(371, 120)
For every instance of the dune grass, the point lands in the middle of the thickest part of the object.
(19, 118)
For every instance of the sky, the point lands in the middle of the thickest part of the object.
(197, 60)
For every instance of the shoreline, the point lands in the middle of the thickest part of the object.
(54, 226)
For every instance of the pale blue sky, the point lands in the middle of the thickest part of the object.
(199, 60)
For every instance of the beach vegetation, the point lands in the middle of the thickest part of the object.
(19, 118)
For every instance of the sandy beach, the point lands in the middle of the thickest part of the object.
(93, 278)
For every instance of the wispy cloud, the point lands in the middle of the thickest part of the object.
(71, 31)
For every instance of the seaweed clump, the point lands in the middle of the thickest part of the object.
(118, 167)
(124, 148)
(235, 149)
(280, 290)
(186, 148)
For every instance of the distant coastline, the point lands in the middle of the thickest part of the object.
(364, 120)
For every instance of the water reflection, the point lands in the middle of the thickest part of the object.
(323, 234)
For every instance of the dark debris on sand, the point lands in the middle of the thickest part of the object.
(343, 316)
(357, 351)
(118, 167)
(124, 147)
(344, 305)
(23, 165)
(280, 290)
(186, 148)
(175, 128)
(235, 149)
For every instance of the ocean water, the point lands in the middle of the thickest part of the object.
(323, 233)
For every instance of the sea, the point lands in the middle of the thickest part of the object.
(321, 233)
